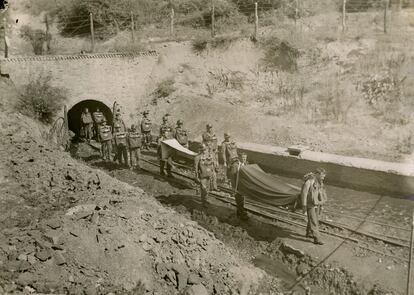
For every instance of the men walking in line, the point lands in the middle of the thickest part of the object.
(146, 127)
(204, 165)
(312, 196)
(120, 142)
(210, 140)
(105, 138)
(86, 124)
(233, 165)
(166, 132)
(180, 134)
(135, 140)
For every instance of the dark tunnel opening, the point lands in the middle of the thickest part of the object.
(74, 114)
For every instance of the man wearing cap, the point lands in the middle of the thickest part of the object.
(146, 127)
(86, 124)
(118, 120)
(233, 165)
(166, 132)
(210, 141)
(105, 138)
(135, 139)
(204, 165)
(120, 142)
(312, 197)
(180, 134)
(99, 120)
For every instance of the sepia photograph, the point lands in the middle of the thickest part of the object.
(207, 147)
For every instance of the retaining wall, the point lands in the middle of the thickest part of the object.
(384, 178)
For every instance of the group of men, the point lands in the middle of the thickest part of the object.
(206, 164)
(126, 143)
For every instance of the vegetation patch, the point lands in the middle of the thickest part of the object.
(280, 54)
(36, 37)
(164, 89)
(41, 100)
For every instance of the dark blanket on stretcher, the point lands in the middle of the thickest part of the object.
(260, 187)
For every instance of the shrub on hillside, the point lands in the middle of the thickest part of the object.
(280, 54)
(164, 89)
(37, 38)
(200, 44)
(40, 100)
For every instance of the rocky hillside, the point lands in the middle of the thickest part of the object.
(68, 228)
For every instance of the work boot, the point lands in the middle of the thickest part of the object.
(242, 215)
(318, 242)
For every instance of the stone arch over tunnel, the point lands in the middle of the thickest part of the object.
(74, 114)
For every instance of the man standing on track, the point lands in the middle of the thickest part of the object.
(86, 124)
(210, 141)
(146, 127)
(166, 132)
(204, 165)
(312, 197)
(134, 144)
(180, 134)
(233, 165)
(121, 144)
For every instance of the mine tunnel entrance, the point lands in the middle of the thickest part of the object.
(74, 114)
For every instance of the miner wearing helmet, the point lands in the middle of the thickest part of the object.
(210, 141)
(180, 134)
(166, 132)
(86, 124)
(232, 164)
(105, 138)
(135, 140)
(121, 144)
(204, 166)
(146, 128)
(313, 196)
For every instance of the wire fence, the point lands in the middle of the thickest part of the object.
(248, 20)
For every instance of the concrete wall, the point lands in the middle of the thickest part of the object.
(384, 178)
(103, 77)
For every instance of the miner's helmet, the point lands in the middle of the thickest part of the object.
(146, 112)
(321, 171)
(227, 135)
(203, 147)
(133, 128)
(209, 126)
(180, 122)
(117, 126)
(165, 118)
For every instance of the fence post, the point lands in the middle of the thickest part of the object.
(6, 45)
(386, 3)
(132, 28)
(213, 21)
(48, 37)
(410, 260)
(92, 32)
(256, 21)
(296, 11)
(343, 16)
(172, 22)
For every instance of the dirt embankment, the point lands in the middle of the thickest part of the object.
(69, 228)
